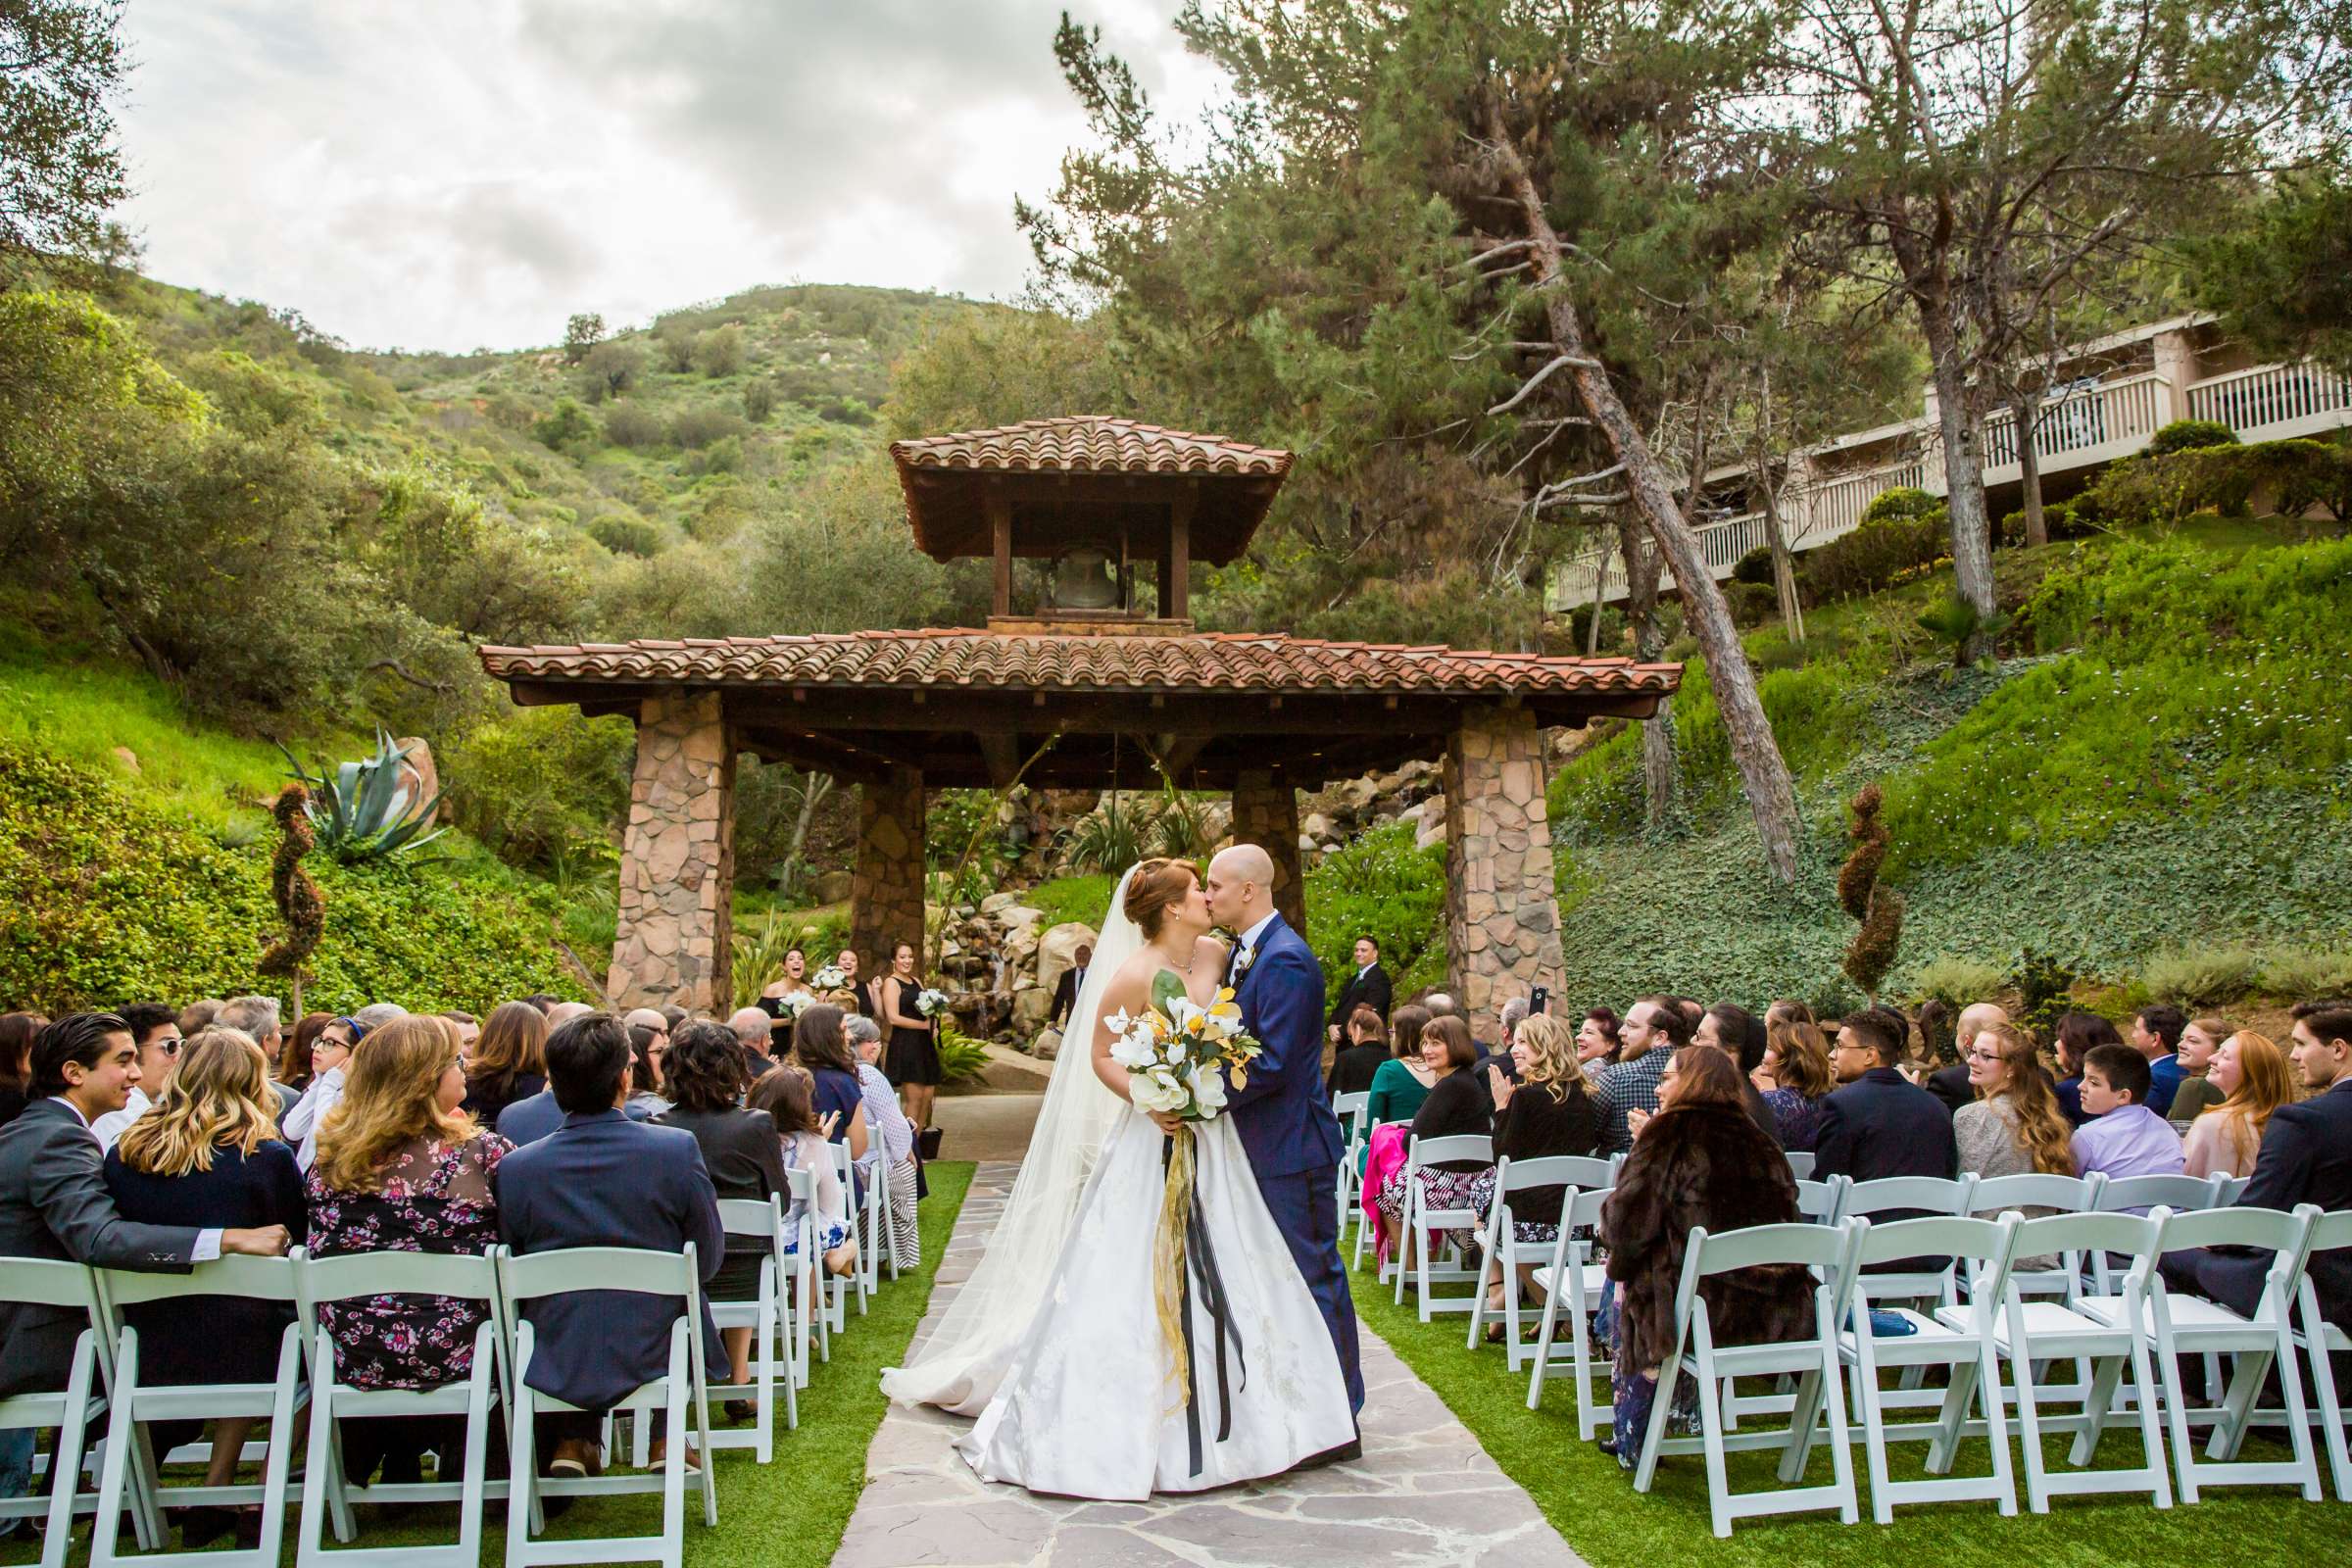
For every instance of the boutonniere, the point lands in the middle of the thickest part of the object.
(1241, 963)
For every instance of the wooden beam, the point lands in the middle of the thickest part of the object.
(1176, 577)
(1000, 523)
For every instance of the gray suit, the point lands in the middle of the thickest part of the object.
(54, 1204)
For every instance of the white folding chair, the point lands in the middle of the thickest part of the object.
(2137, 1194)
(1572, 1283)
(680, 1391)
(2317, 1338)
(70, 1411)
(1800, 1163)
(1824, 1249)
(761, 1219)
(845, 1172)
(251, 1279)
(1914, 1197)
(1423, 1225)
(1994, 1196)
(2227, 1190)
(1363, 1205)
(2192, 1324)
(2033, 1332)
(1568, 1172)
(1969, 1354)
(324, 1281)
(873, 1212)
(1352, 1109)
(1818, 1201)
(811, 1316)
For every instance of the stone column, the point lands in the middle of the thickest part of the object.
(1502, 916)
(674, 941)
(1265, 812)
(886, 895)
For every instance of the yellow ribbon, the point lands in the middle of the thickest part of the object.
(1169, 1257)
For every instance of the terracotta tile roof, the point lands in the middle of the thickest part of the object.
(1206, 662)
(1088, 443)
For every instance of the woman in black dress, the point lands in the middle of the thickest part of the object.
(704, 1073)
(207, 1154)
(1367, 1048)
(911, 1060)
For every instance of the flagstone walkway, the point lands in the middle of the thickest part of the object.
(1424, 1494)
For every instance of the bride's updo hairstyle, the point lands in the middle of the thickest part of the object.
(1158, 885)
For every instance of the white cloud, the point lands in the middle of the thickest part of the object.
(451, 173)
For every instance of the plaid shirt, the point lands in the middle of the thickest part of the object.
(1627, 1085)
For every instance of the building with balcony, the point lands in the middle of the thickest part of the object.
(2105, 400)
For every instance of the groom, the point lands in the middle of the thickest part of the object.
(1286, 1126)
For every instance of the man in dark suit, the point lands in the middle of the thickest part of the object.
(1878, 1123)
(603, 1180)
(1065, 988)
(2306, 1158)
(53, 1197)
(1368, 987)
(1950, 1084)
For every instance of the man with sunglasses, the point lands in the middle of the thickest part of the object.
(155, 1028)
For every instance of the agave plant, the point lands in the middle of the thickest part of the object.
(365, 810)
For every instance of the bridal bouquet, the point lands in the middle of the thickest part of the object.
(791, 1005)
(1177, 1051)
(930, 1002)
(829, 978)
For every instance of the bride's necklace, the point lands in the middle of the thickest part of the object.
(1184, 968)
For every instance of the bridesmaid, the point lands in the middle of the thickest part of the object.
(793, 983)
(912, 1060)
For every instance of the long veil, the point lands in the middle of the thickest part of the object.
(960, 1364)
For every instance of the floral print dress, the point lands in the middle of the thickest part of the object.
(436, 1198)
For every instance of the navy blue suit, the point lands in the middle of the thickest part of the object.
(603, 1180)
(1884, 1125)
(2306, 1158)
(1286, 1126)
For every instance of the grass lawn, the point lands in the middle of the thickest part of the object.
(789, 1514)
(1595, 1509)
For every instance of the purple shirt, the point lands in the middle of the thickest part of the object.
(2128, 1141)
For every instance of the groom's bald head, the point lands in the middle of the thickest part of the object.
(1240, 886)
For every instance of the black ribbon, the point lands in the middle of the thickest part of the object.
(1200, 1256)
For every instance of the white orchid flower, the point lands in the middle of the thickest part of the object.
(1155, 1091)
(1208, 1086)
(1132, 1050)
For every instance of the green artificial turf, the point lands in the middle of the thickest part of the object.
(788, 1514)
(1595, 1509)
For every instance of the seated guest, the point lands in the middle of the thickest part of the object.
(1655, 1029)
(507, 1062)
(1596, 1044)
(823, 1052)
(894, 1161)
(1878, 1123)
(1458, 1106)
(1359, 1060)
(1956, 1085)
(207, 1154)
(257, 1018)
(2076, 1034)
(761, 1038)
(2014, 1128)
(1548, 1111)
(329, 1054)
(787, 1095)
(302, 1049)
(603, 1180)
(156, 1028)
(1402, 1082)
(649, 1044)
(1794, 1078)
(2306, 1158)
(2200, 1040)
(53, 1201)
(1731, 1029)
(198, 1015)
(1699, 1160)
(1507, 1019)
(2254, 1079)
(2156, 1036)
(740, 1154)
(401, 1168)
(17, 1030)
(470, 1031)
(2123, 1137)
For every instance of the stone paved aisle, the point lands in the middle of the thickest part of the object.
(1424, 1492)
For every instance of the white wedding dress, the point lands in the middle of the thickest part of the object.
(1056, 1342)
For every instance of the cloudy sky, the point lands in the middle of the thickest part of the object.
(454, 174)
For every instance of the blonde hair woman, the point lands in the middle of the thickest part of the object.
(207, 1154)
(2251, 1072)
(402, 1169)
(1547, 1111)
(2016, 1125)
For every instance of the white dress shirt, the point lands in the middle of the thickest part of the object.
(1248, 947)
(302, 1122)
(110, 1128)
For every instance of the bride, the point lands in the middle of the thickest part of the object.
(1056, 1342)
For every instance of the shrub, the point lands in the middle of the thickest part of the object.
(1957, 982)
(1381, 886)
(1870, 558)
(628, 425)
(722, 456)
(720, 351)
(759, 402)
(962, 1058)
(2187, 435)
(568, 425)
(2307, 973)
(1753, 603)
(540, 785)
(1755, 567)
(1901, 504)
(695, 429)
(625, 535)
(2058, 519)
(2198, 975)
(2046, 988)
(2292, 476)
